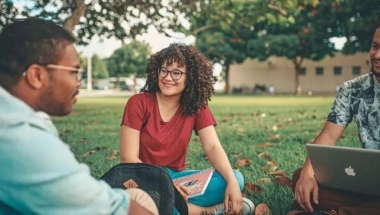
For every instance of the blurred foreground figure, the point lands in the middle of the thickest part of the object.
(39, 76)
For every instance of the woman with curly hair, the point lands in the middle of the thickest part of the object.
(157, 125)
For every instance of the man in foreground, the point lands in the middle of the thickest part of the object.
(358, 99)
(39, 69)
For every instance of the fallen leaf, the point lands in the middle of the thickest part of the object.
(240, 130)
(262, 209)
(187, 163)
(236, 154)
(265, 180)
(92, 151)
(244, 161)
(265, 156)
(283, 181)
(278, 173)
(271, 166)
(238, 139)
(252, 188)
(263, 145)
(112, 156)
(275, 128)
(274, 137)
(83, 140)
(308, 141)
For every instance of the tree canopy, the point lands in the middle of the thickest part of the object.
(118, 18)
(130, 59)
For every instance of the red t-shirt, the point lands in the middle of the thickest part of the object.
(163, 143)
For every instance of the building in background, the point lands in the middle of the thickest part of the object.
(315, 76)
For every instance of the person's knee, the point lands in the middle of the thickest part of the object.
(142, 198)
(240, 178)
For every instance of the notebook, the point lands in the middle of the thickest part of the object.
(196, 182)
(346, 168)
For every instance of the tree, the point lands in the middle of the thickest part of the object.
(307, 34)
(130, 59)
(7, 13)
(225, 48)
(354, 20)
(223, 28)
(99, 69)
(302, 37)
(118, 18)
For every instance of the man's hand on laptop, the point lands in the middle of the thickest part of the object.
(306, 188)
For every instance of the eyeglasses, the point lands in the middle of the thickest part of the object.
(175, 74)
(77, 71)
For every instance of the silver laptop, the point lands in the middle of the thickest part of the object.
(344, 168)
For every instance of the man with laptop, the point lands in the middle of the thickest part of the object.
(318, 191)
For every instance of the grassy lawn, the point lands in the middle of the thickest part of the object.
(244, 124)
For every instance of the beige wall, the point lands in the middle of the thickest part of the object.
(279, 72)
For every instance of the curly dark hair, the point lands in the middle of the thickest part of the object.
(200, 79)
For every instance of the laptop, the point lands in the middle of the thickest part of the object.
(345, 168)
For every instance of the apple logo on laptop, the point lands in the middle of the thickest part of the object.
(349, 171)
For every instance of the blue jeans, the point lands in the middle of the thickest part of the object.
(215, 190)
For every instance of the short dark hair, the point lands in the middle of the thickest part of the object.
(30, 41)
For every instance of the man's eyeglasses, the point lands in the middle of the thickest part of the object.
(76, 71)
(175, 74)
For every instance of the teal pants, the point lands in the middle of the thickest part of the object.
(214, 193)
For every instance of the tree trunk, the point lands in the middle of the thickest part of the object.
(118, 85)
(297, 67)
(73, 20)
(227, 74)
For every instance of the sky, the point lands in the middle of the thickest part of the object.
(156, 40)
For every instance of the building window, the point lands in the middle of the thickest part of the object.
(319, 71)
(356, 70)
(302, 71)
(338, 70)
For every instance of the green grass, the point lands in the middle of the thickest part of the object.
(243, 123)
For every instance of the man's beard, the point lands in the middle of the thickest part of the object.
(377, 74)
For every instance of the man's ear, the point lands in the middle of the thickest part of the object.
(36, 75)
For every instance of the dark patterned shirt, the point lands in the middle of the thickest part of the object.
(359, 99)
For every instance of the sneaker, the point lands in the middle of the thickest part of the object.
(248, 208)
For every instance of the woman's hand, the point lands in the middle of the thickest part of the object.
(233, 200)
(184, 191)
